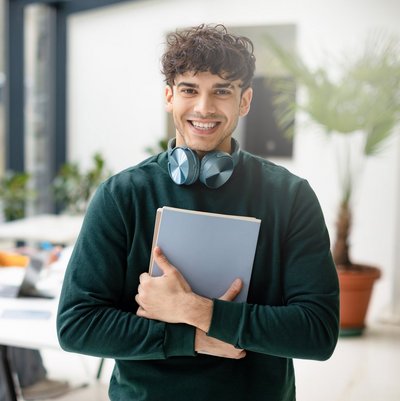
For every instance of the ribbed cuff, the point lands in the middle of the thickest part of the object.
(179, 340)
(225, 321)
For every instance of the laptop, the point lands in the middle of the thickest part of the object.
(27, 288)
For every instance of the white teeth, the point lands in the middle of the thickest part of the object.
(204, 126)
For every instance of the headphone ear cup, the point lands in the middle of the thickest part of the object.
(216, 168)
(183, 166)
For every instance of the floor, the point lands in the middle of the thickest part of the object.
(362, 369)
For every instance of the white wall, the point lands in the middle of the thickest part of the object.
(116, 97)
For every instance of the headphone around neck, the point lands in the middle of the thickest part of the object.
(214, 169)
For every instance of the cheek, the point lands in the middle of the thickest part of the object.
(182, 109)
(232, 112)
(178, 122)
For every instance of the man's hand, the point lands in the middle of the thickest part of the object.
(170, 299)
(211, 346)
(163, 298)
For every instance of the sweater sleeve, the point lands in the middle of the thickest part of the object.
(306, 324)
(95, 314)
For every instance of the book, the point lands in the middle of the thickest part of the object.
(211, 250)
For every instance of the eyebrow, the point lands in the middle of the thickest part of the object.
(223, 85)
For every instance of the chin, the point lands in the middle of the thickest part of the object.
(200, 146)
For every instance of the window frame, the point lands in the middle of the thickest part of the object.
(14, 71)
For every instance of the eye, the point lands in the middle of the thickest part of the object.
(188, 91)
(223, 92)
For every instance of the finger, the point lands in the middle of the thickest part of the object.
(162, 261)
(144, 277)
(235, 355)
(241, 355)
(233, 290)
(137, 299)
(141, 312)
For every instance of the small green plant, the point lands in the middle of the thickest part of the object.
(73, 188)
(161, 146)
(14, 192)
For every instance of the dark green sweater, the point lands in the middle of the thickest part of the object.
(291, 311)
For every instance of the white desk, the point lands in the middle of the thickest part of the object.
(25, 331)
(57, 229)
(20, 328)
(28, 330)
(20, 325)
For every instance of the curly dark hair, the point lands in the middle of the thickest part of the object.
(209, 48)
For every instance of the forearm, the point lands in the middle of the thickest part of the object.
(108, 332)
(304, 330)
(295, 331)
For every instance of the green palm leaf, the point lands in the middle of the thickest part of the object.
(366, 100)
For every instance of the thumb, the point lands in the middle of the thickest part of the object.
(162, 261)
(233, 290)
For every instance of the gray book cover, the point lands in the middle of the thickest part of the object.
(210, 250)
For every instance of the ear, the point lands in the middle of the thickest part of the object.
(169, 97)
(245, 101)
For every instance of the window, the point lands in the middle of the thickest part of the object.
(39, 101)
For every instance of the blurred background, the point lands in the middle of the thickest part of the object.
(80, 85)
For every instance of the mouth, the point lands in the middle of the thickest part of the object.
(204, 126)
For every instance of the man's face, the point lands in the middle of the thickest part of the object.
(206, 109)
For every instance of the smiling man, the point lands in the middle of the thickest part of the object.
(206, 109)
(168, 342)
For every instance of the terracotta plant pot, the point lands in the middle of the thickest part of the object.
(356, 286)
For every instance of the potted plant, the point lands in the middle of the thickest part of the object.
(73, 188)
(14, 192)
(364, 101)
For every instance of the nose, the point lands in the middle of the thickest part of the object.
(204, 105)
